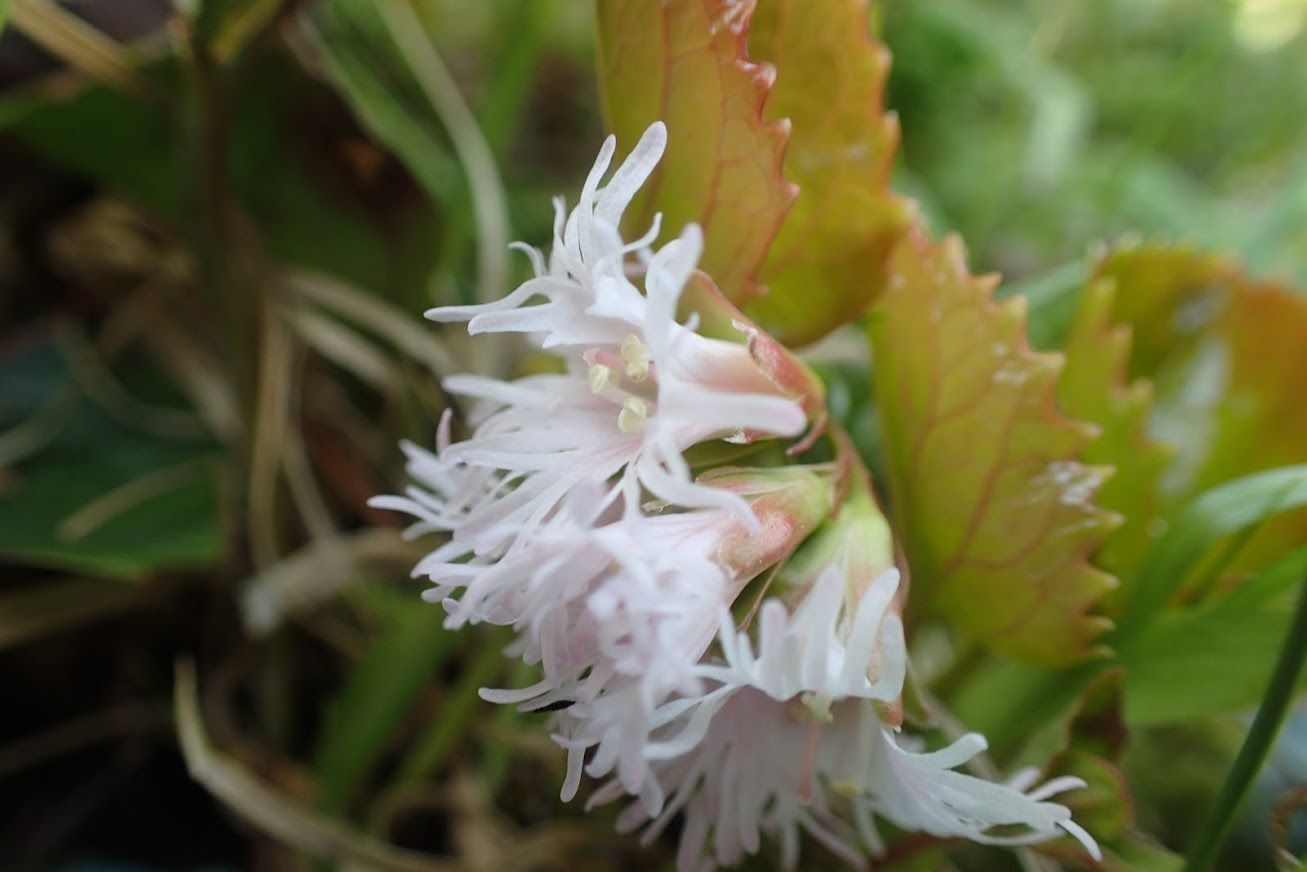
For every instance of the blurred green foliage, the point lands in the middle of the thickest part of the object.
(217, 229)
(1037, 129)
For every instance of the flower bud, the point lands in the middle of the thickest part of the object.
(720, 319)
(789, 503)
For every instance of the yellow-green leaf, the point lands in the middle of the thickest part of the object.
(684, 62)
(828, 261)
(1227, 354)
(1093, 388)
(996, 514)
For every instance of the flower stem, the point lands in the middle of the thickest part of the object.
(1257, 744)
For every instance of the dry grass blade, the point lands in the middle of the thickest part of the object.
(121, 499)
(38, 430)
(99, 385)
(198, 375)
(395, 326)
(318, 572)
(54, 606)
(242, 25)
(271, 426)
(304, 490)
(272, 813)
(489, 203)
(1280, 822)
(82, 46)
(346, 349)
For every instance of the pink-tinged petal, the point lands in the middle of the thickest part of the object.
(632, 174)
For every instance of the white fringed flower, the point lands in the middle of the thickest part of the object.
(546, 507)
(594, 592)
(640, 387)
(593, 597)
(583, 277)
(545, 504)
(791, 740)
(599, 422)
(631, 600)
(921, 791)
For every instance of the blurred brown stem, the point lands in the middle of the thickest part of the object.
(210, 222)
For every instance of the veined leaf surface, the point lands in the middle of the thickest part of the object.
(1227, 355)
(829, 260)
(1093, 388)
(684, 62)
(996, 513)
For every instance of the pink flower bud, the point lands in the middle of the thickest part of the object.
(788, 503)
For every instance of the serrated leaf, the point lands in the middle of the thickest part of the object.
(1093, 388)
(1052, 299)
(828, 262)
(996, 514)
(1227, 355)
(1168, 295)
(684, 62)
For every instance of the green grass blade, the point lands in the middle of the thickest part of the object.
(439, 740)
(1257, 745)
(379, 692)
(357, 63)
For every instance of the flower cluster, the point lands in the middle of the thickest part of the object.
(576, 515)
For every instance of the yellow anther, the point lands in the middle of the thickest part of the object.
(633, 416)
(600, 376)
(636, 355)
(847, 789)
(818, 705)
